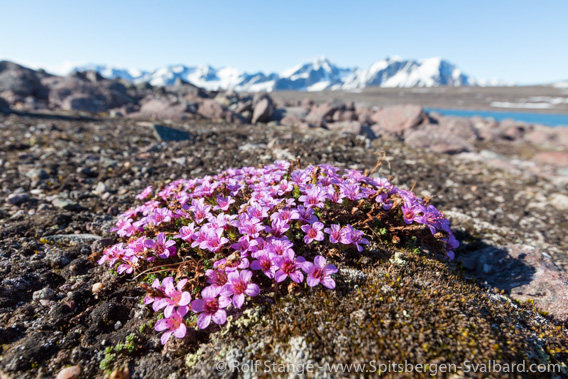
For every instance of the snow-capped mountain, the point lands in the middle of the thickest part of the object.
(316, 75)
(398, 72)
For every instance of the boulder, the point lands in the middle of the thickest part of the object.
(561, 136)
(540, 135)
(77, 93)
(243, 106)
(321, 114)
(459, 127)
(163, 109)
(487, 129)
(397, 120)
(214, 111)
(556, 158)
(291, 120)
(346, 115)
(352, 127)
(263, 110)
(525, 273)
(19, 81)
(438, 139)
(4, 107)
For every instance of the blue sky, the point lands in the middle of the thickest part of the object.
(518, 41)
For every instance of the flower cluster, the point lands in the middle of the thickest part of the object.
(250, 227)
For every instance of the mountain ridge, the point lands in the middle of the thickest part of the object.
(315, 75)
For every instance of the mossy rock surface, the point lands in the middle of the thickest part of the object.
(389, 307)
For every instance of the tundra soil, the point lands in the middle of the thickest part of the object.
(66, 177)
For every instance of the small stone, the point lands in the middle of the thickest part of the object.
(37, 174)
(100, 188)
(97, 287)
(44, 294)
(18, 198)
(108, 163)
(68, 205)
(117, 325)
(559, 201)
(181, 161)
(167, 134)
(72, 372)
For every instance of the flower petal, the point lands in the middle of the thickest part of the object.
(220, 317)
(197, 305)
(203, 320)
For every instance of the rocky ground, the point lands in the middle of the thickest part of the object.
(64, 180)
(74, 151)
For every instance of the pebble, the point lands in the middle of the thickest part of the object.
(68, 205)
(559, 201)
(97, 287)
(18, 198)
(37, 174)
(44, 294)
(72, 372)
(100, 188)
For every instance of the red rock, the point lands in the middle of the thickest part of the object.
(437, 138)
(291, 121)
(214, 111)
(263, 110)
(79, 94)
(162, 109)
(396, 120)
(487, 129)
(525, 273)
(561, 136)
(352, 127)
(556, 158)
(459, 127)
(321, 114)
(540, 135)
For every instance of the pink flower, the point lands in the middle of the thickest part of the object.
(307, 215)
(265, 263)
(217, 278)
(175, 297)
(318, 272)
(238, 285)
(146, 192)
(161, 215)
(163, 249)
(313, 232)
(173, 324)
(289, 266)
(200, 210)
(186, 233)
(212, 239)
(210, 307)
(279, 246)
(354, 237)
(149, 299)
(336, 233)
(314, 197)
(223, 203)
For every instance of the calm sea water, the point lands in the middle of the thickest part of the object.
(529, 118)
